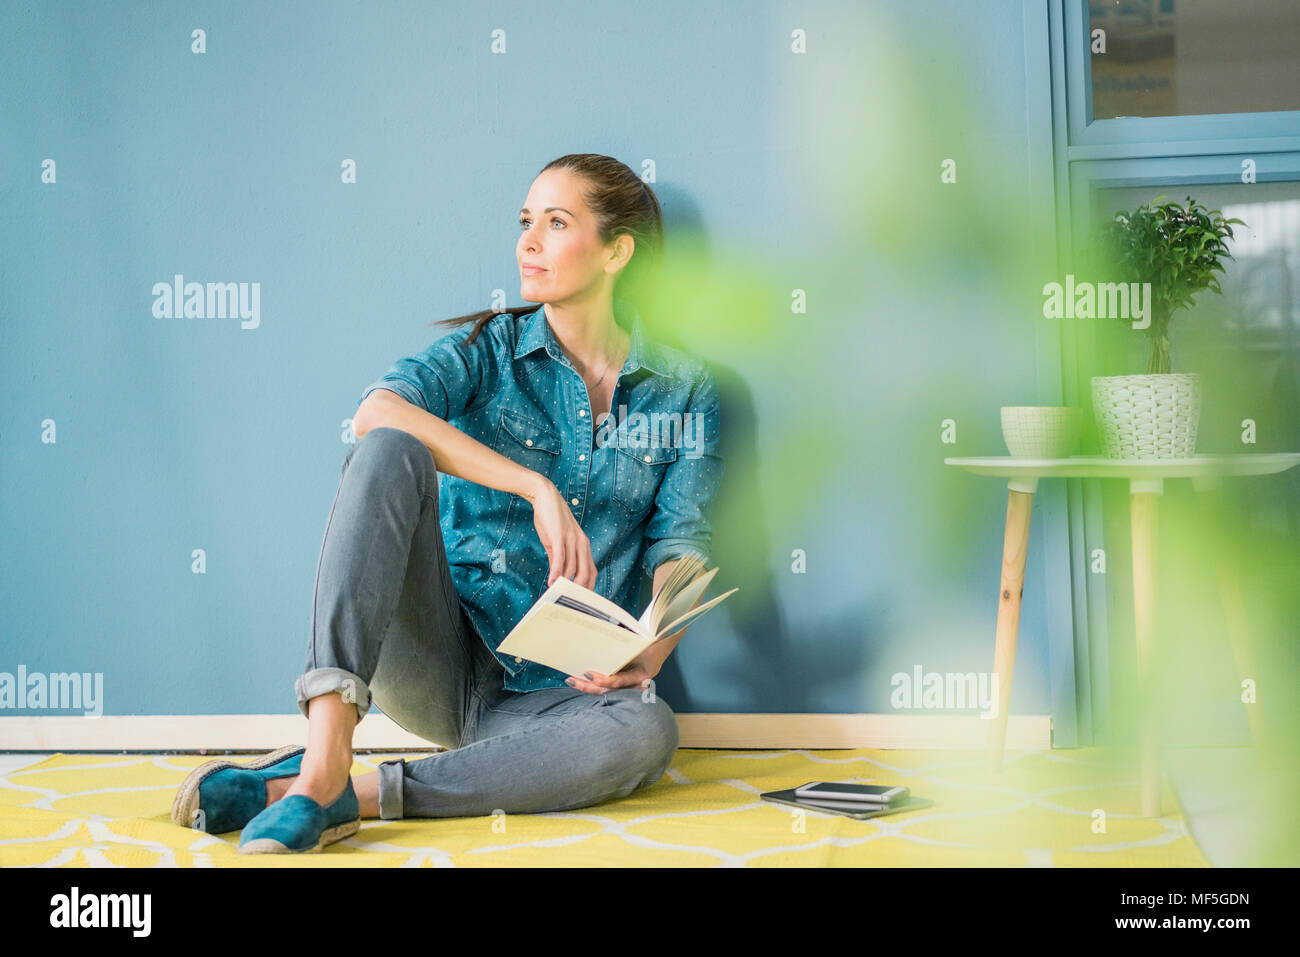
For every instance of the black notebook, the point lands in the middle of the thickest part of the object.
(854, 809)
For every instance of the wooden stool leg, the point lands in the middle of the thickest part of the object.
(1143, 505)
(1015, 545)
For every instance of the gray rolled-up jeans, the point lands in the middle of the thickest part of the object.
(387, 622)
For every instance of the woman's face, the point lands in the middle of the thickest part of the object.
(558, 233)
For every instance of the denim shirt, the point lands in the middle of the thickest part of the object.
(641, 487)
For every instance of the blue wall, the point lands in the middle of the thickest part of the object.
(182, 434)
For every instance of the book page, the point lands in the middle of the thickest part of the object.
(682, 603)
(685, 570)
(690, 616)
(572, 641)
(564, 586)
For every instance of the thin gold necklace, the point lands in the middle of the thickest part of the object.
(594, 423)
(603, 374)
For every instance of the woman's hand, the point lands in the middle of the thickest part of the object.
(635, 674)
(567, 546)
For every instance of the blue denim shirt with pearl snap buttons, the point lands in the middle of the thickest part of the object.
(641, 486)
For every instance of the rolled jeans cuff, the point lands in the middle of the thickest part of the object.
(321, 681)
(390, 788)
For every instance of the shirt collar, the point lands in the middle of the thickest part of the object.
(642, 352)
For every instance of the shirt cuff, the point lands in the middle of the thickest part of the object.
(668, 549)
(403, 388)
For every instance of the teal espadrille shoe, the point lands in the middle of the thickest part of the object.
(298, 825)
(222, 796)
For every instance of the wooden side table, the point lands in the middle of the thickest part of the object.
(1146, 483)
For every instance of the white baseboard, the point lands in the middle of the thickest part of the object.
(265, 732)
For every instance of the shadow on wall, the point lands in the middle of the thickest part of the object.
(766, 666)
(735, 305)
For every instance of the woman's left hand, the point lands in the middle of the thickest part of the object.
(635, 674)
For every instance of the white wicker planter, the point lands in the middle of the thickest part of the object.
(1148, 416)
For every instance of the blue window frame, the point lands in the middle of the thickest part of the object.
(1090, 155)
(1155, 135)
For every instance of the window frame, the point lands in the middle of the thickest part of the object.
(1089, 155)
(1089, 138)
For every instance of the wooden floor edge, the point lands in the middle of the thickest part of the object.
(254, 732)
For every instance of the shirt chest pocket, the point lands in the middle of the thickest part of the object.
(532, 444)
(638, 470)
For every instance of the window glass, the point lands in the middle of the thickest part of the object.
(1184, 57)
(1245, 342)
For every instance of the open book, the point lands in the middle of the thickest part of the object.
(573, 629)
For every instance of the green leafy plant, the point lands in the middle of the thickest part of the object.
(1177, 249)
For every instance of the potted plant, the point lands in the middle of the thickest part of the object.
(1176, 249)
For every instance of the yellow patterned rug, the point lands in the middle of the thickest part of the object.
(1053, 808)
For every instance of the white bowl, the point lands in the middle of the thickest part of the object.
(1041, 431)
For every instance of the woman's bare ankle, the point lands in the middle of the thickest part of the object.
(276, 788)
(323, 777)
(327, 761)
(324, 789)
